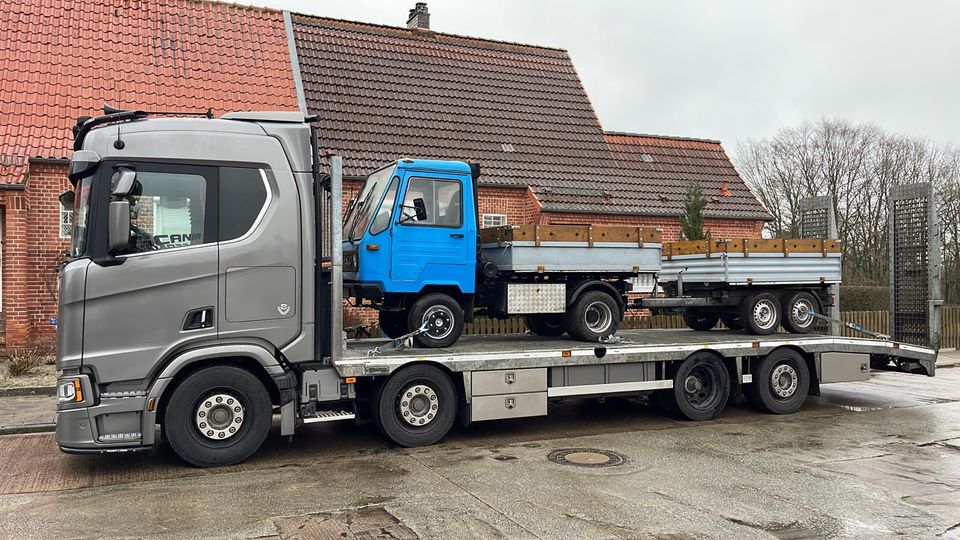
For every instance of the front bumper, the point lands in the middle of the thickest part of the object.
(114, 424)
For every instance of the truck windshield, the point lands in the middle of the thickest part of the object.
(81, 217)
(358, 217)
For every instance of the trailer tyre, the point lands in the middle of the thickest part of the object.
(416, 406)
(546, 324)
(443, 317)
(701, 388)
(760, 313)
(218, 416)
(700, 319)
(797, 308)
(593, 315)
(732, 321)
(393, 323)
(781, 382)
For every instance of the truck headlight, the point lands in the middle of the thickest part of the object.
(70, 391)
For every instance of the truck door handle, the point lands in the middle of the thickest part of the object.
(456, 235)
(198, 318)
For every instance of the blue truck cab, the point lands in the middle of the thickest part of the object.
(410, 247)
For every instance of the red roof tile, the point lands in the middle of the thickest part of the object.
(65, 58)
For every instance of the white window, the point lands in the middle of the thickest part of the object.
(66, 221)
(493, 220)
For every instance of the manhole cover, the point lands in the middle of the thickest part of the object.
(586, 457)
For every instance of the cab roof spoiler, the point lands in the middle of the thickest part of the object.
(112, 115)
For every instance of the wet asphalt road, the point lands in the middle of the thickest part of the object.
(875, 459)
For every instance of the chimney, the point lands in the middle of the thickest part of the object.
(419, 17)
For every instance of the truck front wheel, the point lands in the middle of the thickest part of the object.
(441, 315)
(594, 315)
(416, 406)
(218, 416)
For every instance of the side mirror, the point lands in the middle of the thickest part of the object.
(119, 226)
(421, 209)
(67, 198)
(125, 183)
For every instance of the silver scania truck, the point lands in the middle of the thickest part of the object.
(203, 295)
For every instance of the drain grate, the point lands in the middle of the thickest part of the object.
(587, 457)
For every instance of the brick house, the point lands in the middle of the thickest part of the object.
(381, 93)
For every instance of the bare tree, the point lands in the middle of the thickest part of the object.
(856, 164)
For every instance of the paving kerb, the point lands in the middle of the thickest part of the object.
(28, 391)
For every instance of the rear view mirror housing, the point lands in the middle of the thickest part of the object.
(421, 209)
(119, 226)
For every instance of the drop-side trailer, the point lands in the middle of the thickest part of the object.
(203, 297)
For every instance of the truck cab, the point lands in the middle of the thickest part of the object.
(410, 247)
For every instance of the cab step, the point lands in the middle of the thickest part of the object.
(329, 416)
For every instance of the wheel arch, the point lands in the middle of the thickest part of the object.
(595, 285)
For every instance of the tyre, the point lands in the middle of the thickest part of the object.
(700, 319)
(797, 308)
(594, 315)
(760, 313)
(546, 324)
(416, 406)
(443, 317)
(780, 383)
(732, 321)
(217, 416)
(701, 388)
(393, 323)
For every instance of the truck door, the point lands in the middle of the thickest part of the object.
(436, 247)
(163, 292)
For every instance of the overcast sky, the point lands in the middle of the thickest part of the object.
(729, 70)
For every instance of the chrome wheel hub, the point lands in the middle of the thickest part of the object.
(599, 317)
(439, 321)
(219, 416)
(801, 311)
(418, 405)
(784, 380)
(765, 314)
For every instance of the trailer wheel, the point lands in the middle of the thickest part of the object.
(760, 313)
(545, 324)
(781, 383)
(393, 323)
(217, 416)
(593, 315)
(700, 319)
(701, 388)
(443, 317)
(732, 321)
(797, 316)
(416, 406)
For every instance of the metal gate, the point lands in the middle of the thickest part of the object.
(817, 220)
(914, 266)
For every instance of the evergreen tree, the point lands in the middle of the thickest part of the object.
(691, 222)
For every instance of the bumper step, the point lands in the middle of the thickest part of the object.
(329, 416)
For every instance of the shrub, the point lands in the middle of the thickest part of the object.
(864, 298)
(24, 361)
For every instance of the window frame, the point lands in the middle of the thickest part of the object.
(66, 211)
(484, 217)
(406, 189)
(268, 200)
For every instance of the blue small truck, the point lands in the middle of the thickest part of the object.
(414, 251)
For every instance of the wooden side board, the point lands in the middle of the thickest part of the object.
(571, 233)
(786, 246)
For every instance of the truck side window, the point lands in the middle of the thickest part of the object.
(243, 196)
(443, 200)
(167, 211)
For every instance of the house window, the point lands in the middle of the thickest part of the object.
(66, 221)
(493, 220)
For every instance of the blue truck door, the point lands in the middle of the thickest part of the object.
(437, 247)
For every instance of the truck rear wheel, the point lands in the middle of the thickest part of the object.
(701, 388)
(443, 317)
(218, 416)
(732, 321)
(416, 406)
(781, 383)
(760, 313)
(545, 324)
(700, 319)
(393, 323)
(594, 315)
(797, 312)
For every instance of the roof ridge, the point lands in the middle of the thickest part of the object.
(667, 137)
(407, 33)
(234, 3)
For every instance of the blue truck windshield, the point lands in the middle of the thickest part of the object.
(366, 203)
